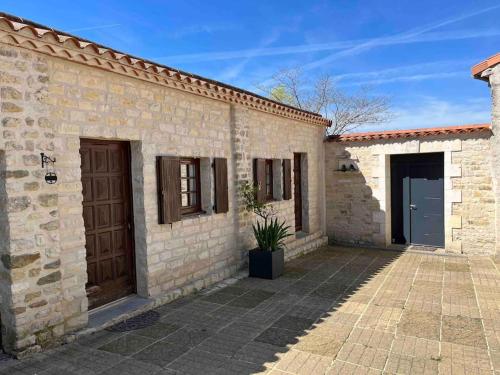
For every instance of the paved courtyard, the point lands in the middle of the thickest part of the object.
(335, 311)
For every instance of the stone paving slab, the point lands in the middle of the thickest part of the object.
(335, 311)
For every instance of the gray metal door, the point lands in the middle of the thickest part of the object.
(417, 199)
(427, 204)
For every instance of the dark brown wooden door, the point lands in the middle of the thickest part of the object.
(297, 191)
(107, 215)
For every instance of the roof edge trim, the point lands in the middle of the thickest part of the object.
(479, 68)
(410, 133)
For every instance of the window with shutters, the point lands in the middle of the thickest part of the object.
(269, 180)
(190, 186)
(220, 185)
(265, 179)
(287, 179)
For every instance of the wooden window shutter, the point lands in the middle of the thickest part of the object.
(287, 179)
(221, 193)
(260, 179)
(169, 189)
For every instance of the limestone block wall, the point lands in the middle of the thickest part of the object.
(49, 104)
(32, 279)
(494, 81)
(266, 136)
(358, 206)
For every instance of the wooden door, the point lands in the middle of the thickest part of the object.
(297, 192)
(107, 215)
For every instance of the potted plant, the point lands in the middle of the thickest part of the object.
(268, 259)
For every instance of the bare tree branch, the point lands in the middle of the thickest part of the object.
(347, 112)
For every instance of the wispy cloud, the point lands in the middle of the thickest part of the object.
(401, 38)
(407, 73)
(320, 47)
(235, 70)
(199, 29)
(409, 78)
(270, 38)
(98, 27)
(430, 112)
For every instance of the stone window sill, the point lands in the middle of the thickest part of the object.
(195, 215)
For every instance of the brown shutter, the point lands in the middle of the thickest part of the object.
(169, 189)
(259, 171)
(220, 177)
(287, 179)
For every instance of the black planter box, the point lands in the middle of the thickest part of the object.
(266, 264)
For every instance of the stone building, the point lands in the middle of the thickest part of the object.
(489, 71)
(149, 160)
(436, 187)
(425, 186)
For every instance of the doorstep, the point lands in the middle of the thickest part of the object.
(115, 312)
(133, 305)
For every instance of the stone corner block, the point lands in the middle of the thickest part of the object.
(455, 221)
(453, 170)
(454, 247)
(455, 196)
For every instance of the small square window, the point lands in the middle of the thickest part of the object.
(190, 186)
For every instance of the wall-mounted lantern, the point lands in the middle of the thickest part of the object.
(348, 166)
(48, 164)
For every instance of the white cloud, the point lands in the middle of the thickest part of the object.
(234, 71)
(98, 27)
(409, 78)
(435, 112)
(406, 70)
(400, 38)
(199, 29)
(321, 47)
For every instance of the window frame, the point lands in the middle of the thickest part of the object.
(269, 164)
(192, 208)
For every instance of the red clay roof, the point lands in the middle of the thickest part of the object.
(29, 34)
(410, 133)
(478, 69)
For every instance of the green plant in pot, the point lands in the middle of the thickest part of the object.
(267, 261)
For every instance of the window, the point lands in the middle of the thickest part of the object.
(269, 180)
(287, 179)
(190, 186)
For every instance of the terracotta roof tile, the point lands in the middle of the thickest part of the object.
(410, 133)
(32, 35)
(478, 69)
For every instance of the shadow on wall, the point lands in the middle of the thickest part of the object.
(354, 214)
(5, 281)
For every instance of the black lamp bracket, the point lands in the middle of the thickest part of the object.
(46, 160)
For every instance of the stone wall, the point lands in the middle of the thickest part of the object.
(494, 81)
(358, 203)
(32, 280)
(48, 105)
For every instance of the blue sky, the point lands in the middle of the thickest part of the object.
(417, 52)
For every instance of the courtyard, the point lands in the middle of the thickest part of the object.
(335, 311)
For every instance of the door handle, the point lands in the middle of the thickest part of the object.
(413, 206)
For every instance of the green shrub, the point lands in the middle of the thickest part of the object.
(269, 233)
